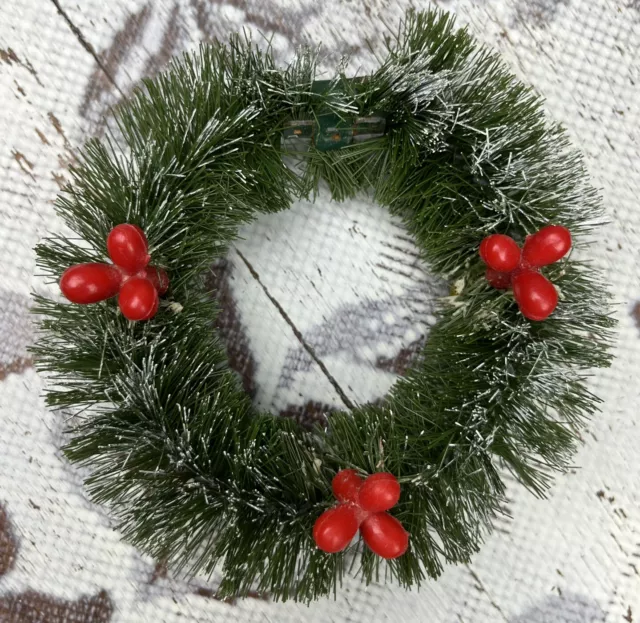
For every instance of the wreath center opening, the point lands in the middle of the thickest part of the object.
(323, 305)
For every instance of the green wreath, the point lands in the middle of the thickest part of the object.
(459, 149)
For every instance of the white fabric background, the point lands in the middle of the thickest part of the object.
(572, 558)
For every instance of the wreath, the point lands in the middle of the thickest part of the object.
(445, 137)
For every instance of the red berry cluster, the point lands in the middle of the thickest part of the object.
(362, 505)
(137, 284)
(507, 266)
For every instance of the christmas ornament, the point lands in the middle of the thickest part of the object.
(445, 137)
(362, 505)
(138, 284)
(536, 296)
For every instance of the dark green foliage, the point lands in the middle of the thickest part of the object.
(176, 450)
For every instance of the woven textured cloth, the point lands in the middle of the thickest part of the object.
(347, 278)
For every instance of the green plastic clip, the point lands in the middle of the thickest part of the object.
(330, 131)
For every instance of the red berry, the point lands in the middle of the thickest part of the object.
(139, 229)
(90, 283)
(345, 485)
(385, 535)
(546, 246)
(536, 296)
(128, 247)
(138, 299)
(500, 252)
(159, 278)
(380, 492)
(501, 281)
(335, 528)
